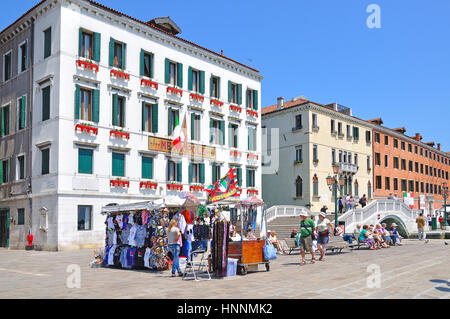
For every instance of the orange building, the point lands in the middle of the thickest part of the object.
(404, 164)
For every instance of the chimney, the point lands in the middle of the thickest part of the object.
(280, 103)
(439, 146)
(418, 137)
(221, 52)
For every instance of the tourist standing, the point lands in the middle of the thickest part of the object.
(363, 201)
(307, 228)
(340, 205)
(347, 202)
(351, 202)
(174, 246)
(324, 228)
(420, 221)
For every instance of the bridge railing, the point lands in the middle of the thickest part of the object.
(285, 211)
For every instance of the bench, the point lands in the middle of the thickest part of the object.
(358, 244)
(291, 244)
(336, 243)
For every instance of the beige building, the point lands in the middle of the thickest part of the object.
(312, 137)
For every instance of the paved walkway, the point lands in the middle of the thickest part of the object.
(414, 270)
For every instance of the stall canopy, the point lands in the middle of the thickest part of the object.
(250, 201)
(129, 207)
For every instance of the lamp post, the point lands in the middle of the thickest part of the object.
(445, 195)
(332, 181)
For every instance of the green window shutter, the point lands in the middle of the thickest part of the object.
(239, 94)
(193, 126)
(96, 106)
(147, 167)
(179, 171)
(45, 161)
(255, 100)
(202, 82)
(152, 58)
(115, 112)
(80, 42)
(23, 108)
(248, 177)
(111, 52)
(2, 111)
(170, 122)
(246, 99)
(230, 136)
(46, 103)
(47, 43)
(118, 164)
(190, 79)
(97, 47)
(218, 88)
(211, 86)
(211, 130)
(239, 176)
(8, 169)
(1, 172)
(202, 173)
(124, 56)
(155, 118)
(143, 117)
(77, 101)
(190, 172)
(167, 71)
(222, 129)
(85, 161)
(230, 92)
(214, 176)
(142, 62)
(180, 75)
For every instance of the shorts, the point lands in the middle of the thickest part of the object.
(322, 240)
(306, 243)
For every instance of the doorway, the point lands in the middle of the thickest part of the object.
(4, 228)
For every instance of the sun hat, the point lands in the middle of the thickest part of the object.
(394, 224)
(304, 214)
(324, 215)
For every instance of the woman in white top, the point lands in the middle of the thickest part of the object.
(274, 241)
(324, 228)
(173, 237)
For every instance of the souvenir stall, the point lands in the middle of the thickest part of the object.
(136, 234)
(247, 247)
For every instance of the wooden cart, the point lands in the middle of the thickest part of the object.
(248, 253)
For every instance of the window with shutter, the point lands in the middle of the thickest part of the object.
(147, 167)
(85, 161)
(118, 164)
(45, 165)
(46, 103)
(47, 43)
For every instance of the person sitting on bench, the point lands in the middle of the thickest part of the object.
(345, 237)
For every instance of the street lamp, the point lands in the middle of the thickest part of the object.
(332, 181)
(445, 195)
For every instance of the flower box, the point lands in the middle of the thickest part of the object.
(177, 187)
(252, 192)
(235, 108)
(174, 91)
(149, 83)
(216, 103)
(197, 97)
(119, 74)
(86, 129)
(252, 113)
(252, 157)
(148, 185)
(119, 183)
(119, 134)
(235, 154)
(196, 188)
(88, 65)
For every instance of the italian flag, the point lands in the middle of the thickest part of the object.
(179, 133)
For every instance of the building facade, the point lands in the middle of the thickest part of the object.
(313, 137)
(109, 91)
(406, 165)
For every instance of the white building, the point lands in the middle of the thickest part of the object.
(108, 91)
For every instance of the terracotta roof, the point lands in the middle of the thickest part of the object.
(22, 16)
(172, 35)
(377, 121)
(286, 105)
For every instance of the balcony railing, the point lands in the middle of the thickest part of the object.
(348, 168)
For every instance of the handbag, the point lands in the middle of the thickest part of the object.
(269, 251)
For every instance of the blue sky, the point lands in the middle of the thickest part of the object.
(324, 50)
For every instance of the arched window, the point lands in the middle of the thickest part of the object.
(315, 185)
(356, 188)
(299, 187)
(369, 190)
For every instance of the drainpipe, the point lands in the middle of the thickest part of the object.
(30, 125)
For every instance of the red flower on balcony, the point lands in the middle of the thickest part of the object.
(197, 97)
(86, 129)
(195, 188)
(175, 91)
(119, 183)
(216, 103)
(252, 192)
(252, 113)
(252, 157)
(119, 134)
(149, 83)
(148, 185)
(235, 154)
(88, 65)
(174, 187)
(235, 108)
(119, 74)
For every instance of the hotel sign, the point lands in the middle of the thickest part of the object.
(193, 150)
